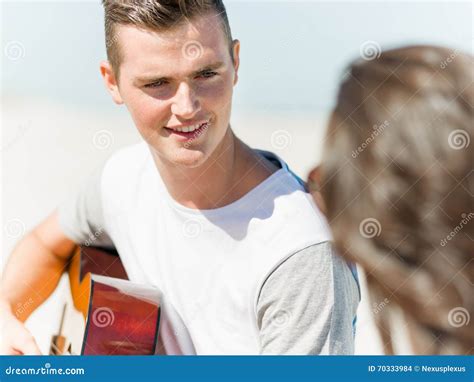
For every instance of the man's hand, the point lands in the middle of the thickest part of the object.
(15, 339)
(31, 274)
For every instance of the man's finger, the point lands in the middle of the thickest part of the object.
(28, 347)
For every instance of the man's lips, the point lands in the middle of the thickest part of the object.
(195, 130)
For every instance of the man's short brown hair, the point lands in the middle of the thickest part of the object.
(156, 15)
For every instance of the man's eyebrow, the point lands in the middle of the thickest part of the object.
(214, 66)
(151, 79)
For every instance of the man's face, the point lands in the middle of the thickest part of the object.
(177, 86)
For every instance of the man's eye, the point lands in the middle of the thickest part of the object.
(208, 74)
(155, 84)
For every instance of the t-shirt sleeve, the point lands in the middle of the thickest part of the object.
(81, 216)
(308, 305)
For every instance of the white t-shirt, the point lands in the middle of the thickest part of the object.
(209, 264)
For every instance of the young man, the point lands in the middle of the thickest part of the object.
(227, 233)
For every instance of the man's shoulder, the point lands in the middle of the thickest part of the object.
(284, 205)
(287, 219)
(297, 210)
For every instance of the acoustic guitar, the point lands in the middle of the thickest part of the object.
(106, 314)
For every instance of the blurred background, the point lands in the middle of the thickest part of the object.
(59, 123)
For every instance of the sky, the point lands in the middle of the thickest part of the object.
(292, 53)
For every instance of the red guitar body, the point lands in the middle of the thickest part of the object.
(112, 316)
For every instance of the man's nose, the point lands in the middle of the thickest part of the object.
(185, 103)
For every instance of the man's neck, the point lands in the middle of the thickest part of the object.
(230, 172)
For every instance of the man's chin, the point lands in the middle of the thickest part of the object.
(191, 161)
(184, 157)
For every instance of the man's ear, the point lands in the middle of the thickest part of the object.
(236, 52)
(314, 177)
(110, 81)
(313, 185)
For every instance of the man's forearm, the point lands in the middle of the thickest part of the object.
(30, 276)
